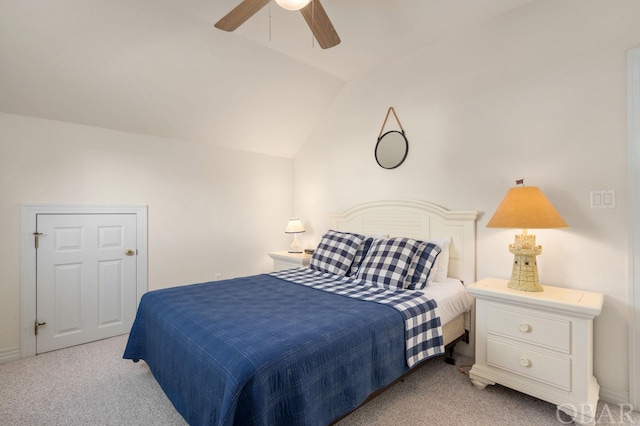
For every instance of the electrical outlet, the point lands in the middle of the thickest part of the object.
(603, 199)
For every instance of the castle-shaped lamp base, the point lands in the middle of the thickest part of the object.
(524, 275)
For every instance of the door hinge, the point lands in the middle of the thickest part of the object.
(36, 236)
(36, 325)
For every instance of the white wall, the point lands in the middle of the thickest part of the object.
(211, 210)
(537, 94)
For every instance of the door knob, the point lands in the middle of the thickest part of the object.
(36, 325)
(130, 252)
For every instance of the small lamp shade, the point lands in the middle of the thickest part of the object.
(294, 226)
(525, 207)
(293, 4)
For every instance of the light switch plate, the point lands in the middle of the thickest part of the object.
(603, 199)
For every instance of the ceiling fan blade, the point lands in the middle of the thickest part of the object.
(240, 14)
(320, 25)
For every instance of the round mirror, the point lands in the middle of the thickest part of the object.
(391, 149)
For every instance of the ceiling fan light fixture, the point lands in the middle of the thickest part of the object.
(311, 10)
(292, 4)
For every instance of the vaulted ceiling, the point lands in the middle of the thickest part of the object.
(160, 68)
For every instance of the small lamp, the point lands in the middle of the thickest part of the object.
(525, 207)
(293, 4)
(294, 226)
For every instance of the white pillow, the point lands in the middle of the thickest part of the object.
(441, 268)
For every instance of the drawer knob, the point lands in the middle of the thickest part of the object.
(524, 327)
(525, 362)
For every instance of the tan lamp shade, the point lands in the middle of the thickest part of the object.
(526, 207)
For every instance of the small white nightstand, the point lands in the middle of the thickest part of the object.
(285, 260)
(539, 343)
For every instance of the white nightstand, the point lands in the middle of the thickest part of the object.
(539, 343)
(285, 260)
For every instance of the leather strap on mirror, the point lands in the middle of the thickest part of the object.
(385, 121)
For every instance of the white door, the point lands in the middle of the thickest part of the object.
(85, 278)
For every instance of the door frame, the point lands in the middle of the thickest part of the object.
(28, 217)
(633, 162)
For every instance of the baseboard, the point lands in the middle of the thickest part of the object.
(614, 397)
(9, 355)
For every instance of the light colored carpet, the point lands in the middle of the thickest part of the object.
(92, 385)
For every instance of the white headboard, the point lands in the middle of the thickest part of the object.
(419, 220)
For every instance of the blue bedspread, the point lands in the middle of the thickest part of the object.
(264, 351)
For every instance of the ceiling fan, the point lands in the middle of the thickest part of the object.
(311, 10)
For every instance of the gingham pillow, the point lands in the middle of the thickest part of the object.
(363, 248)
(422, 266)
(335, 252)
(388, 261)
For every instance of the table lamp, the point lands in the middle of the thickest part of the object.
(294, 226)
(525, 207)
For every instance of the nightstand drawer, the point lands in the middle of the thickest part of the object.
(549, 332)
(536, 365)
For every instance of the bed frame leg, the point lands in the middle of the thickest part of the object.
(449, 359)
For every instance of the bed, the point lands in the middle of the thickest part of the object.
(309, 345)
